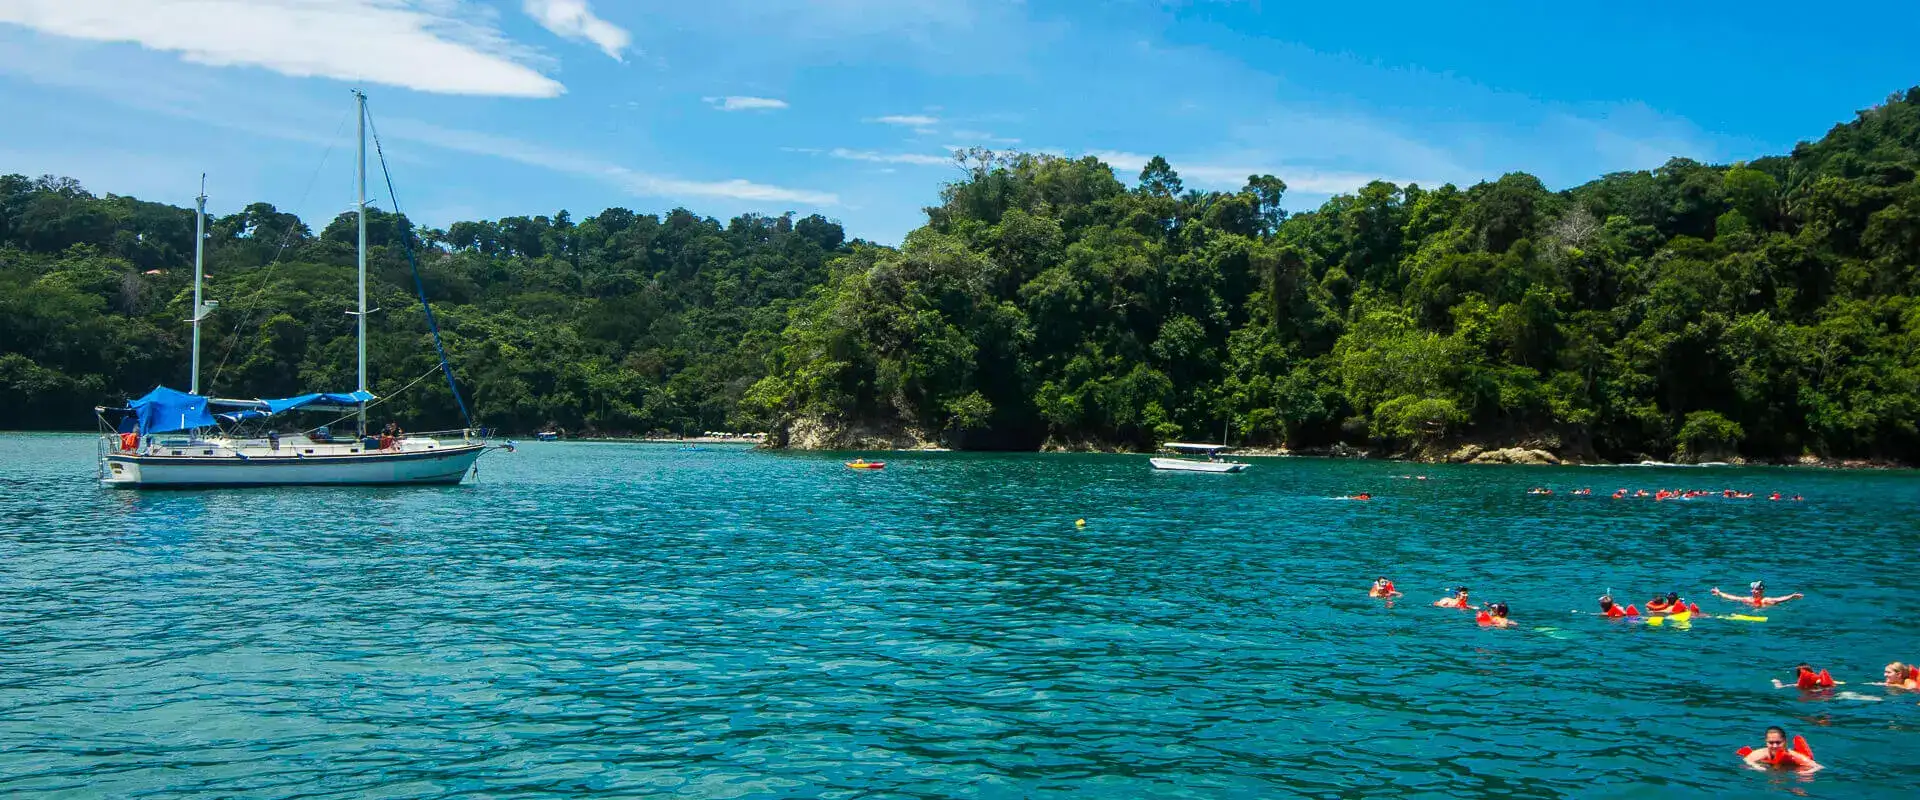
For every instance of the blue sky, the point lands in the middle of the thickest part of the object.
(849, 108)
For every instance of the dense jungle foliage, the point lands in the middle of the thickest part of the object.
(1766, 309)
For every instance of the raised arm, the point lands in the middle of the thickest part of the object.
(1778, 600)
(1724, 596)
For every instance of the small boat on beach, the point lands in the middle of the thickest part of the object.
(1212, 464)
(547, 436)
(864, 464)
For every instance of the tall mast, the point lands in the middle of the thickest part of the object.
(199, 272)
(360, 207)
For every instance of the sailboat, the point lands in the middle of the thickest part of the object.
(175, 439)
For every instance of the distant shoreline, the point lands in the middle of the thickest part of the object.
(646, 440)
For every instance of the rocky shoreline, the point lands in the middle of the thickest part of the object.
(812, 433)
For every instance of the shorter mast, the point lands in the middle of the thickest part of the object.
(199, 272)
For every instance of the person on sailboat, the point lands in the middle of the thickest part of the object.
(390, 436)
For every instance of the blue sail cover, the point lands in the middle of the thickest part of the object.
(324, 399)
(165, 409)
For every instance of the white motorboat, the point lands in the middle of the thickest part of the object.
(1213, 462)
(1187, 465)
(173, 438)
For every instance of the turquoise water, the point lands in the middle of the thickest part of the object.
(726, 623)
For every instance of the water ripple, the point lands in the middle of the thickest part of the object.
(636, 620)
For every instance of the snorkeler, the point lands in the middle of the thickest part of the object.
(1658, 605)
(1494, 614)
(1759, 598)
(1458, 600)
(1777, 755)
(1902, 676)
(1383, 588)
(1613, 610)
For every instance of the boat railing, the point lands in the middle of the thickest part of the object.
(114, 442)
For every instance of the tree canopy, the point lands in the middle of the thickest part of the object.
(1765, 309)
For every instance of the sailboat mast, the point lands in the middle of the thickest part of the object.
(360, 207)
(199, 273)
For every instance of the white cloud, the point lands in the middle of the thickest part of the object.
(572, 19)
(741, 103)
(1130, 162)
(641, 183)
(1231, 175)
(908, 120)
(983, 137)
(426, 45)
(891, 158)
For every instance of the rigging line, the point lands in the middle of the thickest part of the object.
(286, 239)
(419, 287)
(383, 398)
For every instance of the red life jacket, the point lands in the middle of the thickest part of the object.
(1785, 758)
(1810, 680)
(1615, 611)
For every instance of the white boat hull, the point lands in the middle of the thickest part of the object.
(288, 467)
(1183, 465)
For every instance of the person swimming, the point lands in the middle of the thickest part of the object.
(1613, 610)
(1902, 676)
(1495, 614)
(1807, 680)
(1383, 588)
(1758, 598)
(1458, 600)
(1776, 754)
(1673, 603)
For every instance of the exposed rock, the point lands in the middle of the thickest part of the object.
(1466, 453)
(1340, 450)
(1516, 455)
(824, 433)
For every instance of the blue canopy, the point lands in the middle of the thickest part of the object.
(164, 409)
(264, 408)
(324, 399)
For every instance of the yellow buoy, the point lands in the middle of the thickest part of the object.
(1079, 523)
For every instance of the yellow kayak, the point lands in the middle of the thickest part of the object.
(856, 464)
